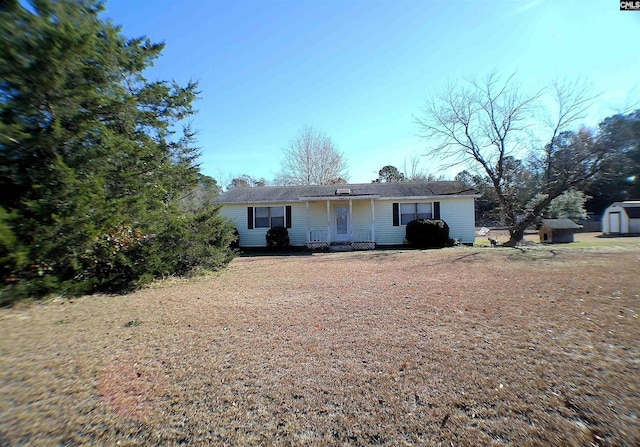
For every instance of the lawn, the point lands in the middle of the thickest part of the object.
(461, 346)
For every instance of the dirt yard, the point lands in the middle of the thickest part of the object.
(461, 346)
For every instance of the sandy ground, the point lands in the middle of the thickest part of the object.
(461, 346)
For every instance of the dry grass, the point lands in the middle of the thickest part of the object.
(463, 346)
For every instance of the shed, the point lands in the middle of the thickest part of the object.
(557, 231)
(622, 218)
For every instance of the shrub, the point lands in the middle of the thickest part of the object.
(188, 244)
(129, 257)
(277, 237)
(428, 233)
(235, 243)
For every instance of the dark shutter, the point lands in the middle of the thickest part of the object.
(436, 210)
(250, 218)
(396, 215)
(287, 213)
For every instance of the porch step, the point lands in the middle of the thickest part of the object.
(340, 246)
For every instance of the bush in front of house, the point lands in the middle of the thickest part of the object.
(428, 233)
(277, 237)
(235, 243)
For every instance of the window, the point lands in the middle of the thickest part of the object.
(269, 216)
(413, 211)
(403, 213)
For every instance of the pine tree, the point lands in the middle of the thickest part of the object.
(89, 152)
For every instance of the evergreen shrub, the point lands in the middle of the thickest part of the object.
(277, 237)
(428, 233)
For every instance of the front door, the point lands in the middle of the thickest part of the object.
(341, 223)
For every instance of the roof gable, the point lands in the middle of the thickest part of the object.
(631, 207)
(374, 190)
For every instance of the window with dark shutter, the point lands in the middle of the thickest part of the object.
(403, 213)
(250, 218)
(269, 216)
(396, 214)
(288, 216)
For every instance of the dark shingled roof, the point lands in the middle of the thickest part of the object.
(383, 190)
(633, 211)
(561, 224)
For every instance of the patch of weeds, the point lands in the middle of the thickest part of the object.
(60, 322)
(133, 323)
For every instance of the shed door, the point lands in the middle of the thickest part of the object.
(614, 222)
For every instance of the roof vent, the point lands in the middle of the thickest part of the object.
(343, 191)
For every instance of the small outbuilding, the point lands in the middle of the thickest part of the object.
(557, 231)
(622, 218)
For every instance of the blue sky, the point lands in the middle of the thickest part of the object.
(360, 70)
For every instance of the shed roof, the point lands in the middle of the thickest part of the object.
(373, 190)
(631, 207)
(633, 212)
(561, 224)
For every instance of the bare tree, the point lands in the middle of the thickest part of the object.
(490, 124)
(312, 159)
(246, 181)
(413, 172)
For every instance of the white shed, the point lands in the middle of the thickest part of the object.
(622, 218)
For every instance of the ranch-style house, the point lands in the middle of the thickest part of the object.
(360, 215)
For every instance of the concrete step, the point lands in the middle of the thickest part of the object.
(337, 246)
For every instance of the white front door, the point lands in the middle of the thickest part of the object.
(341, 223)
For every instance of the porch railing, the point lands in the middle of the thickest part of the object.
(356, 236)
(318, 236)
(360, 240)
(361, 236)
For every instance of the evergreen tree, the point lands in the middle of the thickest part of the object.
(390, 174)
(91, 166)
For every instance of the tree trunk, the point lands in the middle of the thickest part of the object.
(516, 233)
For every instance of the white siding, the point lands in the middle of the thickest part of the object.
(458, 212)
(361, 216)
(386, 233)
(317, 216)
(256, 237)
(298, 230)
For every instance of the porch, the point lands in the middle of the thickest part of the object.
(349, 223)
(359, 240)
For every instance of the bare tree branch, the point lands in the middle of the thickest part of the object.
(312, 159)
(487, 123)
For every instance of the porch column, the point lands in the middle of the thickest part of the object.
(351, 220)
(308, 231)
(373, 222)
(328, 221)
